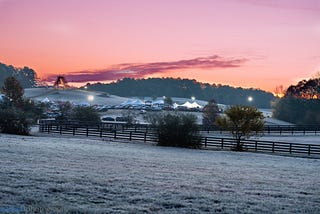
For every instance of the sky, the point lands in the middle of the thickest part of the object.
(246, 43)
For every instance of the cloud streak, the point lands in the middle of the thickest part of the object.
(139, 70)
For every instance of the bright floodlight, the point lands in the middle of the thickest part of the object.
(250, 99)
(193, 98)
(90, 98)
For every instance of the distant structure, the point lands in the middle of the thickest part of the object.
(61, 82)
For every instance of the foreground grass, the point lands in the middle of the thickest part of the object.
(60, 175)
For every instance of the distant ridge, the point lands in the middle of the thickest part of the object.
(158, 87)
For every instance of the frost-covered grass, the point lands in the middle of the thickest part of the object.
(60, 175)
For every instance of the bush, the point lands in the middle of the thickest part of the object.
(85, 114)
(14, 121)
(177, 130)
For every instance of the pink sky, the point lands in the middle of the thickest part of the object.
(248, 43)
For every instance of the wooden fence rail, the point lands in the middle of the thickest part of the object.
(218, 143)
(268, 129)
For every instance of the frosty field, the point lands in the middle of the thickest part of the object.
(74, 175)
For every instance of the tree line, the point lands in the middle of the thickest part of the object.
(27, 77)
(170, 87)
(301, 103)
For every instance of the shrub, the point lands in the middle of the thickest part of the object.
(14, 121)
(178, 130)
(85, 114)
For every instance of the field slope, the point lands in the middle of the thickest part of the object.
(69, 175)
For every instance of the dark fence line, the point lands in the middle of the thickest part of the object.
(102, 132)
(265, 146)
(268, 129)
(218, 143)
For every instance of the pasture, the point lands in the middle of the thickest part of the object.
(76, 175)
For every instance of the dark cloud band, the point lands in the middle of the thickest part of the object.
(139, 70)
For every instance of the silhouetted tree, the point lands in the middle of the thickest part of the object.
(13, 91)
(308, 89)
(26, 76)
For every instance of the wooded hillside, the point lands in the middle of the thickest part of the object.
(158, 87)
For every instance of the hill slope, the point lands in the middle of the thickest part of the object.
(73, 95)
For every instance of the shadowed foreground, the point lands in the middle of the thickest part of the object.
(67, 175)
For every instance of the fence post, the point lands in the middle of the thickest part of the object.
(309, 150)
(272, 147)
(130, 136)
(222, 143)
(74, 131)
(205, 142)
(115, 134)
(280, 130)
(101, 132)
(290, 148)
(48, 126)
(292, 130)
(60, 130)
(145, 136)
(304, 131)
(87, 131)
(256, 146)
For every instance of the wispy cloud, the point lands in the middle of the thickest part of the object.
(139, 70)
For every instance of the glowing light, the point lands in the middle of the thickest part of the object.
(90, 98)
(193, 98)
(250, 99)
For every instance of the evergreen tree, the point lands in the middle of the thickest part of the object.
(13, 91)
